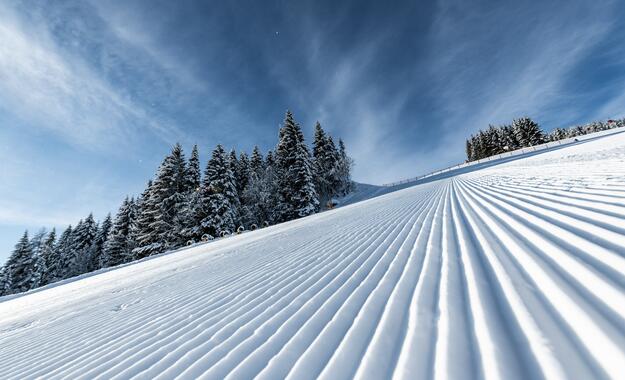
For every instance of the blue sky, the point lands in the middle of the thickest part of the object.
(93, 94)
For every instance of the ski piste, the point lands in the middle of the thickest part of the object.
(511, 271)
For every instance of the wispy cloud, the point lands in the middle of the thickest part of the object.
(513, 61)
(48, 87)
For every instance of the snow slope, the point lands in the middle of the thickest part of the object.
(514, 271)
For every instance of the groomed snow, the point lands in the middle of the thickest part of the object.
(514, 271)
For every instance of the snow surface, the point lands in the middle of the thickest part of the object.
(514, 271)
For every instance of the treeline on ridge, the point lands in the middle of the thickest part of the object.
(523, 133)
(180, 206)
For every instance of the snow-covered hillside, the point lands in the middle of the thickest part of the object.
(514, 271)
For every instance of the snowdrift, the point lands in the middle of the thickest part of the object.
(512, 271)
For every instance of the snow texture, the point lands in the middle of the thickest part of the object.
(512, 271)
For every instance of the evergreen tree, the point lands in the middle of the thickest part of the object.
(37, 241)
(5, 284)
(468, 149)
(557, 134)
(23, 267)
(527, 132)
(260, 194)
(270, 159)
(325, 166)
(193, 214)
(193, 171)
(64, 252)
(141, 230)
(233, 163)
(257, 165)
(319, 142)
(474, 152)
(511, 142)
(298, 196)
(69, 262)
(486, 143)
(118, 246)
(83, 237)
(479, 146)
(243, 172)
(576, 131)
(191, 211)
(96, 255)
(37, 246)
(495, 140)
(51, 259)
(242, 179)
(345, 169)
(161, 210)
(219, 195)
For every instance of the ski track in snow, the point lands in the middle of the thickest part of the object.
(514, 271)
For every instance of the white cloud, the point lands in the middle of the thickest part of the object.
(128, 28)
(46, 87)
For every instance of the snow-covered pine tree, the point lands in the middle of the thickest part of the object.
(37, 241)
(502, 141)
(494, 140)
(242, 179)
(468, 149)
(511, 142)
(142, 230)
(260, 193)
(233, 160)
(478, 146)
(285, 162)
(243, 172)
(193, 174)
(219, 195)
(325, 166)
(306, 200)
(257, 164)
(270, 158)
(5, 284)
(22, 267)
(133, 231)
(489, 148)
(64, 252)
(345, 170)
(298, 196)
(233, 163)
(51, 259)
(118, 246)
(174, 201)
(338, 167)
(68, 259)
(271, 185)
(473, 144)
(487, 142)
(557, 134)
(527, 132)
(37, 246)
(191, 212)
(83, 237)
(96, 254)
(576, 131)
(161, 210)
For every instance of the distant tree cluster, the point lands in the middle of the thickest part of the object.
(181, 206)
(579, 130)
(522, 133)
